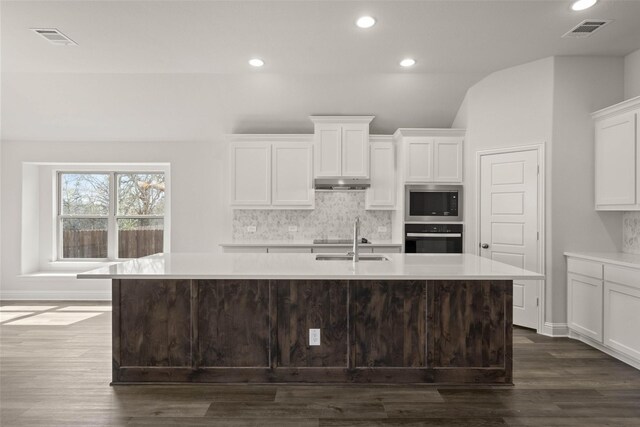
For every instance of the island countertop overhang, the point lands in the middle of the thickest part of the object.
(291, 266)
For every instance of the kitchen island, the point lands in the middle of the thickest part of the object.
(224, 318)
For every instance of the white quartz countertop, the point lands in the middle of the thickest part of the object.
(617, 258)
(306, 267)
(303, 243)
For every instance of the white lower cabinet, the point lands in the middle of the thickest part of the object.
(311, 249)
(288, 250)
(244, 250)
(622, 310)
(622, 319)
(585, 305)
(339, 250)
(603, 307)
(387, 250)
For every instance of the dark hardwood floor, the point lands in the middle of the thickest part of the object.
(58, 375)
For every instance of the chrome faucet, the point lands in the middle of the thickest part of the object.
(356, 238)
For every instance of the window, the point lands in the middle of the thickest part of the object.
(110, 215)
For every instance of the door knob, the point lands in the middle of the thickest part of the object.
(484, 246)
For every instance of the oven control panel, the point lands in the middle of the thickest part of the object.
(433, 228)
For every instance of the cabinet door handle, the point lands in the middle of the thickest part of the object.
(484, 246)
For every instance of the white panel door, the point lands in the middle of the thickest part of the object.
(447, 159)
(509, 223)
(355, 150)
(328, 150)
(622, 319)
(292, 182)
(584, 296)
(382, 193)
(616, 160)
(418, 160)
(250, 174)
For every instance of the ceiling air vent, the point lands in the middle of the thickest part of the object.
(587, 27)
(54, 36)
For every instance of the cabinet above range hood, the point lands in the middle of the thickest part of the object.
(341, 184)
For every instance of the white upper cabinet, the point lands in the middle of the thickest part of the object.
(447, 159)
(418, 155)
(292, 176)
(341, 146)
(328, 147)
(271, 172)
(250, 174)
(431, 155)
(382, 193)
(355, 150)
(616, 153)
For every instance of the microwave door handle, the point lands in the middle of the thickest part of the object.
(434, 235)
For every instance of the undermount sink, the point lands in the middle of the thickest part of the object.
(350, 258)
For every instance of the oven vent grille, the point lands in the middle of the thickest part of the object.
(587, 28)
(54, 36)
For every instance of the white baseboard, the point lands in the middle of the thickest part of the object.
(54, 296)
(555, 329)
(611, 352)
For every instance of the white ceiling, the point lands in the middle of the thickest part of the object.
(311, 49)
(305, 36)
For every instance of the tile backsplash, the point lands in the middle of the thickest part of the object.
(332, 217)
(631, 232)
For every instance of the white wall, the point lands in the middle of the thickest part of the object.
(180, 118)
(632, 75)
(203, 107)
(582, 85)
(200, 216)
(508, 108)
(548, 101)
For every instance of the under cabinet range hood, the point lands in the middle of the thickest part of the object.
(341, 184)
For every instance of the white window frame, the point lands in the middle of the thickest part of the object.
(112, 215)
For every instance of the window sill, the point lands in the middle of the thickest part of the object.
(49, 275)
(61, 269)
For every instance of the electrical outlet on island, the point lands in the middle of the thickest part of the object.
(314, 337)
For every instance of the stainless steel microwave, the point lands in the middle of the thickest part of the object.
(429, 203)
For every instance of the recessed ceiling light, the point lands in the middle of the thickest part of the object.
(256, 62)
(408, 62)
(366, 22)
(583, 4)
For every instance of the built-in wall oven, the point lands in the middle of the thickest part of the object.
(433, 203)
(433, 238)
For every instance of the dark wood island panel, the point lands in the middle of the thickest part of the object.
(390, 324)
(233, 323)
(397, 331)
(302, 305)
